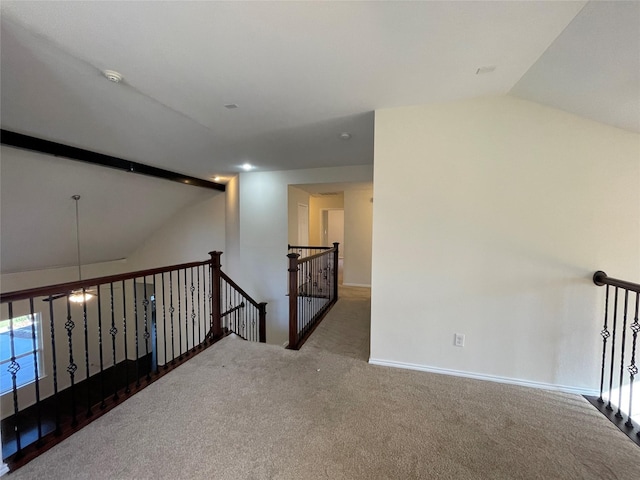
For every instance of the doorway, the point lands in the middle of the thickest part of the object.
(303, 225)
(333, 228)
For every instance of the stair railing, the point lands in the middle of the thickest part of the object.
(619, 365)
(313, 290)
(72, 351)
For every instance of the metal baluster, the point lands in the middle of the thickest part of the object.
(164, 320)
(605, 335)
(103, 405)
(58, 430)
(624, 337)
(154, 308)
(86, 351)
(14, 368)
(135, 317)
(36, 370)
(186, 316)
(72, 367)
(210, 300)
(179, 315)
(113, 331)
(633, 368)
(192, 289)
(171, 310)
(199, 312)
(127, 389)
(613, 347)
(146, 335)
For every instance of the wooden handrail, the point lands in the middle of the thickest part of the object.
(600, 278)
(313, 257)
(240, 290)
(91, 282)
(290, 247)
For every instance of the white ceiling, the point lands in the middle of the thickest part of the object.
(301, 73)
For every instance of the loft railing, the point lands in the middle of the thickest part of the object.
(72, 351)
(619, 365)
(313, 290)
(306, 251)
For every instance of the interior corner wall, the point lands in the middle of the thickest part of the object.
(491, 216)
(231, 254)
(188, 236)
(295, 196)
(358, 220)
(264, 234)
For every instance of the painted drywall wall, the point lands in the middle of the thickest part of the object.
(232, 226)
(491, 216)
(358, 221)
(188, 236)
(264, 234)
(316, 205)
(295, 197)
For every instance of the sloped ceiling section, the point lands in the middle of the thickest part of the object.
(301, 73)
(593, 68)
(118, 211)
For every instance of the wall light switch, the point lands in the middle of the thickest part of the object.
(458, 339)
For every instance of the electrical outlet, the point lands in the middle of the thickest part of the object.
(458, 339)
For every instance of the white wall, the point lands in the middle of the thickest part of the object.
(264, 233)
(316, 205)
(187, 237)
(358, 220)
(491, 216)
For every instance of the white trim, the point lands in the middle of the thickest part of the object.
(357, 285)
(4, 469)
(479, 376)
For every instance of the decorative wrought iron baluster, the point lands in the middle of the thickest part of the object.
(56, 400)
(192, 289)
(171, 310)
(127, 389)
(613, 347)
(146, 334)
(113, 332)
(179, 315)
(633, 368)
(210, 300)
(13, 369)
(199, 312)
(154, 309)
(36, 370)
(186, 316)
(136, 320)
(164, 320)
(72, 367)
(624, 337)
(605, 335)
(103, 405)
(86, 351)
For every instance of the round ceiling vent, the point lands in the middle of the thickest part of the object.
(112, 76)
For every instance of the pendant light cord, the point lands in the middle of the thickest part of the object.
(76, 198)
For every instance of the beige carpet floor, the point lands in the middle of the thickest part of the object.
(243, 410)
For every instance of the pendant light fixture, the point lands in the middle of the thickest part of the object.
(79, 296)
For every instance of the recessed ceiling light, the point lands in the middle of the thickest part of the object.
(112, 76)
(486, 69)
(216, 179)
(231, 106)
(345, 136)
(247, 166)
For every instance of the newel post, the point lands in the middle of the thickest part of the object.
(335, 271)
(216, 324)
(262, 326)
(293, 300)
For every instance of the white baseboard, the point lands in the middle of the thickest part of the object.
(4, 469)
(356, 285)
(489, 378)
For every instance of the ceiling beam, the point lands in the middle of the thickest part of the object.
(34, 144)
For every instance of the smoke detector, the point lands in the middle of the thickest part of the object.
(112, 76)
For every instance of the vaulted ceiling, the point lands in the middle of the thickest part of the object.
(301, 74)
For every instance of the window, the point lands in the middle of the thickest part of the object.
(23, 330)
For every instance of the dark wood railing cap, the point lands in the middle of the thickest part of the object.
(600, 278)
